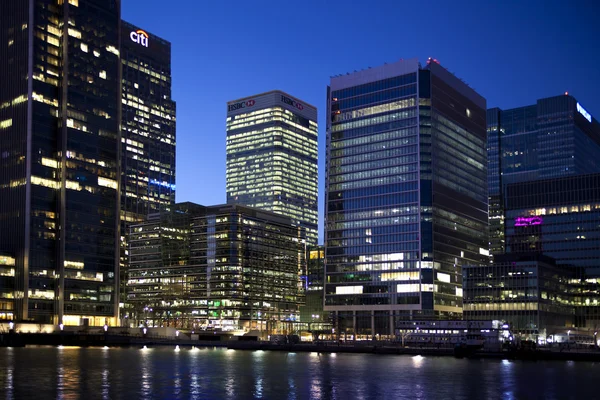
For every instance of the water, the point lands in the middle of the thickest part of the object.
(163, 373)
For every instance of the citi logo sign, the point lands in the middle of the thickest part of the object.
(241, 104)
(292, 103)
(139, 37)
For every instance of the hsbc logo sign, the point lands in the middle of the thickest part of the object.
(292, 103)
(240, 105)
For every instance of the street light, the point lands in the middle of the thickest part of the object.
(61, 326)
(11, 325)
(105, 328)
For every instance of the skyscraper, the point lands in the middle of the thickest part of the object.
(406, 194)
(148, 130)
(272, 157)
(544, 186)
(59, 158)
(556, 137)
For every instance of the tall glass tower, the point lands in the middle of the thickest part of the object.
(272, 157)
(555, 137)
(148, 132)
(406, 194)
(60, 106)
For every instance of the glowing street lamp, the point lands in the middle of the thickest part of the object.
(61, 326)
(11, 325)
(105, 328)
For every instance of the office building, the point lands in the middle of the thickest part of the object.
(559, 218)
(225, 268)
(406, 195)
(529, 291)
(7, 287)
(544, 185)
(59, 159)
(272, 157)
(312, 311)
(148, 130)
(556, 137)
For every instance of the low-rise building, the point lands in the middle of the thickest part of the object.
(530, 292)
(226, 268)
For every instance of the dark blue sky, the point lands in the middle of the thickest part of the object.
(512, 52)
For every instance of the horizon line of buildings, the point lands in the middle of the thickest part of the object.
(435, 206)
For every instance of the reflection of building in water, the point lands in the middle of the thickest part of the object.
(223, 267)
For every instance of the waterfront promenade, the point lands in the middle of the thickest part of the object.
(322, 347)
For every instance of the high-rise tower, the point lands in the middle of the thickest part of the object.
(406, 194)
(59, 158)
(272, 157)
(148, 131)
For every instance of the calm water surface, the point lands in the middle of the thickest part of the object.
(162, 373)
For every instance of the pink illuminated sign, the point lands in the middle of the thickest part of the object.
(528, 221)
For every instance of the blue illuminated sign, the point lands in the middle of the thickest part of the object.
(163, 184)
(583, 112)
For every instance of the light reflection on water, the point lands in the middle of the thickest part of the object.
(161, 373)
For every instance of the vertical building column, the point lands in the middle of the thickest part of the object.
(354, 325)
(392, 330)
(372, 324)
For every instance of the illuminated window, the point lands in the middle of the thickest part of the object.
(107, 182)
(84, 47)
(348, 290)
(48, 162)
(36, 180)
(73, 185)
(102, 74)
(52, 40)
(407, 288)
(112, 49)
(6, 123)
(75, 33)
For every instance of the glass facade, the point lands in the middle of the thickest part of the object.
(312, 312)
(406, 195)
(148, 130)
(225, 268)
(59, 157)
(530, 292)
(550, 139)
(543, 190)
(560, 218)
(272, 156)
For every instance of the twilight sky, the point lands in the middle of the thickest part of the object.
(511, 51)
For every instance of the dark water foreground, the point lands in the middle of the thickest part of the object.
(208, 373)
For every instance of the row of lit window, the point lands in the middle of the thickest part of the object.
(374, 120)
